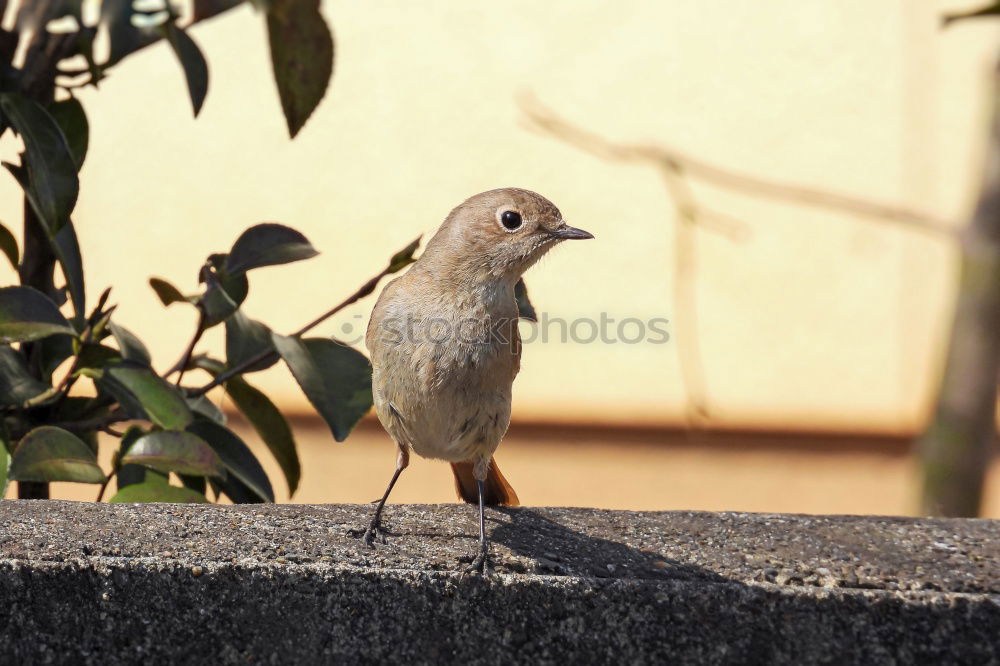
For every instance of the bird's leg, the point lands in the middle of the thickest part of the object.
(374, 530)
(481, 563)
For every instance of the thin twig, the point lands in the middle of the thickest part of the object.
(685, 297)
(185, 359)
(366, 289)
(96, 423)
(104, 486)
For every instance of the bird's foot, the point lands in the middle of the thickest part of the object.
(481, 562)
(374, 533)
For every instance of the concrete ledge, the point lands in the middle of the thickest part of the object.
(122, 584)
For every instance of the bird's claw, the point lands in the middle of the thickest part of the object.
(373, 533)
(481, 563)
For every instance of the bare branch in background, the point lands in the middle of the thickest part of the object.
(541, 118)
(676, 169)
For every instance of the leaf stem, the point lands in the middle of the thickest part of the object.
(182, 364)
(104, 486)
(365, 289)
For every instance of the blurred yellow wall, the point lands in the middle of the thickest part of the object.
(816, 319)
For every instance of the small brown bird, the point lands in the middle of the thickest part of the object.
(445, 347)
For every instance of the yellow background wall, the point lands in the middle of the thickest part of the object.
(816, 319)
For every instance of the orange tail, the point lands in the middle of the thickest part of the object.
(496, 490)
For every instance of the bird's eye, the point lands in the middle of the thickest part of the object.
(511, 220)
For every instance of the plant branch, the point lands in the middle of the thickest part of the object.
(96, 423)
(104, 486)
(185, 359)
(365, 289)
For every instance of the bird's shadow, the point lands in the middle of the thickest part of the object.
(556, 549)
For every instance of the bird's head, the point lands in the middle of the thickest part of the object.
(500, 233)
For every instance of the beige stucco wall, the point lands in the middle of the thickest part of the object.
(814, 319)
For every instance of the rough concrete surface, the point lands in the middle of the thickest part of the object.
(120, 584)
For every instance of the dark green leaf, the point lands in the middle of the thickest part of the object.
(72, 120)
(193, 62)
(52, 352)
(126, 38)
(336, 379)
(225, 293)
(95, 356)
(992, 9)
(67, 251)
(157, 492)
(17, 385)
(301, 57)
(50, 454)
(209, 365)
(174, 451)
(203, 406)
(525, 310)
(218, 304)
(270, 425)
(8, 244)
(131, 346)
(404, 257)
(28, 314)
(4, 467)
(52, 185)
(245, 338)
(130, 474)
(167, 292)
(239, 460)
(197, 483)
(236, 490)
(204, 9)
(267, 244)
(144, 394)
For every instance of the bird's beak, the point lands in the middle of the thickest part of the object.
(567, 232)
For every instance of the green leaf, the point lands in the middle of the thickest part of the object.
(4, 466)
(96, 356)
(72, 120)
(236, 490)
(28, 314)
(52, 352)
(167, 293)
(174, 451)
(404, 257)
(204, 9)
(225, 293)
(336, 379)
(157, 492)
(218, 304)
(125, 38)
(50, 454)
(240, 462)
(52, 185)
(991, 9)
(267, 244)
(8, 244)
(67, 250)
(301, 57)
(245, 338)
(17, 385)
(525, 310)
(270, 425)
(197, 483)
(203, 406)
(130, 474)
(193, 62)
(131, 346)
(144, 394)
